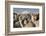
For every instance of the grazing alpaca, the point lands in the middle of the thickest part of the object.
(31, 22)
(35, 19)
(26, 20)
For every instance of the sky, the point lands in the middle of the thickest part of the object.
(21, 10)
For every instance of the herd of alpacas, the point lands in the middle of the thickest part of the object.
(25, 20)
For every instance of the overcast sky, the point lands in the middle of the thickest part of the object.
(21, 10)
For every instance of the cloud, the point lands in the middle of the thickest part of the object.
(25, 10)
